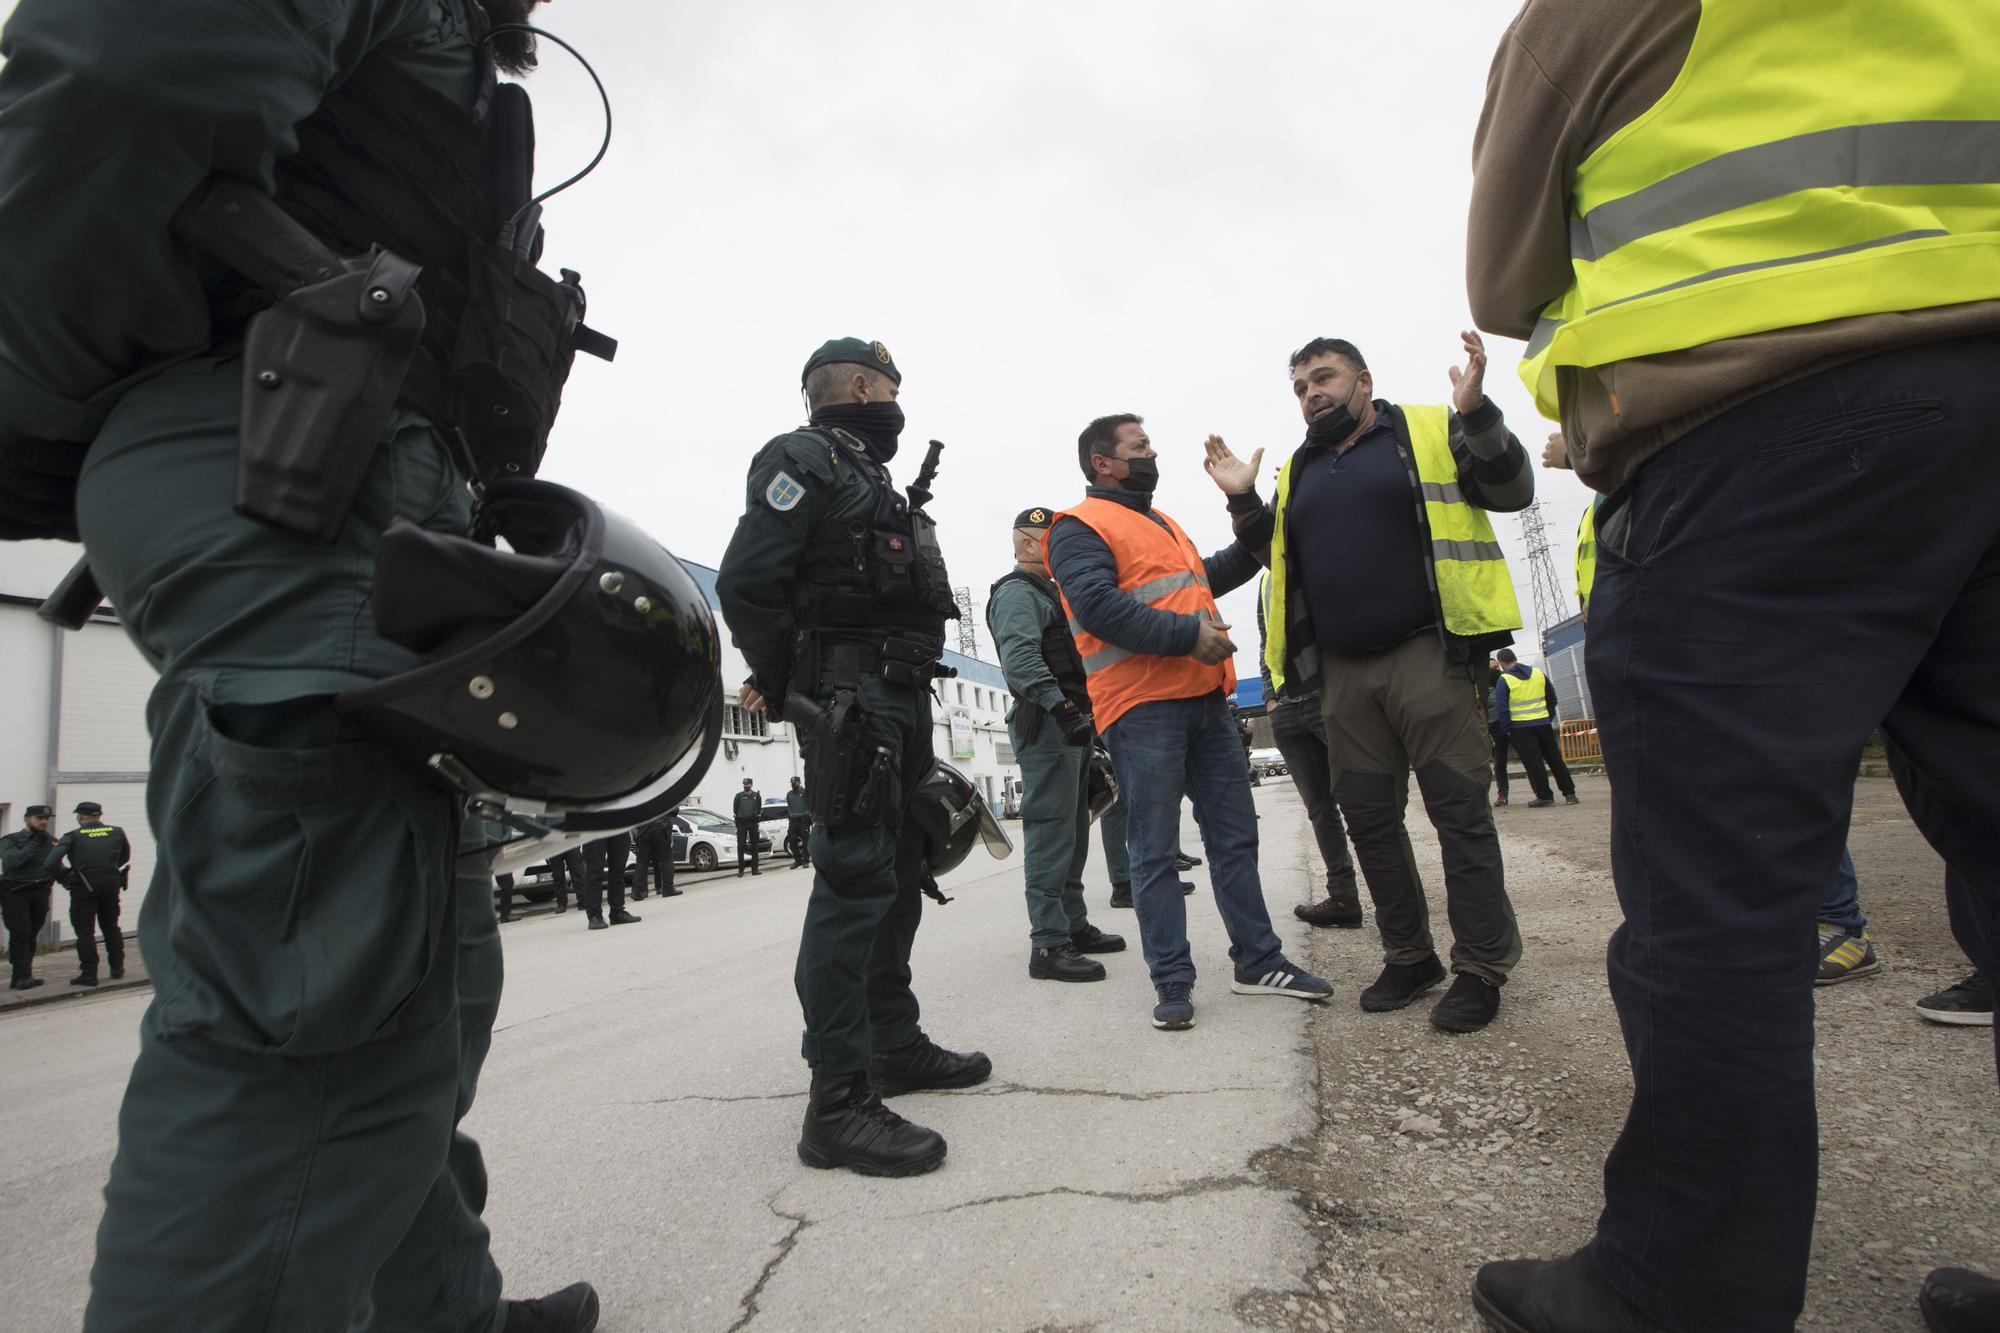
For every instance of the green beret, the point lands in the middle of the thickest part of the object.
(1038, 517)
(855, 351)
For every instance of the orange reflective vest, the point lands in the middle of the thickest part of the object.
(1160, 567)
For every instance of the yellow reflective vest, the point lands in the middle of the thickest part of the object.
(1468, 569)
(1811, 162)
(1586, 554)
(1527, 700)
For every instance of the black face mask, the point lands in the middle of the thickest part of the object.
(878, 424)
(1333, 427)
(1141, 475)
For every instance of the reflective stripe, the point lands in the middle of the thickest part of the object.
(1160, 587)
(1915, 152)
(1451, 550)
(1102, 658)
(1442, 492)
(1734, 269)
(1543, 335)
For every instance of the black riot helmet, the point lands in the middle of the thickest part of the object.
(953, 816)
(1103, 783)
(570, 666)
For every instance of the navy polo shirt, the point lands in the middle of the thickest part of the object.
(1354, 545)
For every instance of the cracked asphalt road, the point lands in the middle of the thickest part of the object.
(642, 1101)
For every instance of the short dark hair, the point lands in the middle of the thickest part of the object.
(1319, 347)
(1101, 437)
(1507, 655)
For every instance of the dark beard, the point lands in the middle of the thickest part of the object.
(513, 52)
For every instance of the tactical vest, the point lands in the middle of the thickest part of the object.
(886, 571)
(388, 161)
(1811, 162)
(1058, 648)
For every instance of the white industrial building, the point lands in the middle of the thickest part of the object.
(76, 710)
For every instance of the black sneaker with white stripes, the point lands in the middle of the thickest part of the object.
(1284, 979)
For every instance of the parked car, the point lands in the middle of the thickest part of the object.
(704, 840)
(1268, 763)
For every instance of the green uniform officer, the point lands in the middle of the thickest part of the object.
(286, 1155)
(1051, 731)
(24, 892)
(98, 857)
(835, 591)
(798, 822)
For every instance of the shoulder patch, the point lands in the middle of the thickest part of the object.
(784, 493)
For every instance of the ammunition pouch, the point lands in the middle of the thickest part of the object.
(850, 783)
(519, 333)
(323, 368)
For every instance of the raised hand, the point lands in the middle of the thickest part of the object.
(1468, 386)
(1232, 474)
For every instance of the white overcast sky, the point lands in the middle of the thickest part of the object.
(1047, 211)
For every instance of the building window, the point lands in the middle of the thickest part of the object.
(740, 721)
(961, 691)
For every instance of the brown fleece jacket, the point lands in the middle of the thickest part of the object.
(1568, 75)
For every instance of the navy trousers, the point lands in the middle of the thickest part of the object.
(1850, 518)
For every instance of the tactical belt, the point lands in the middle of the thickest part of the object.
(898, 661)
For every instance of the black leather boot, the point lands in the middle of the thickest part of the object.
(1089, 939)
(925, 1064)
(1401, 983)
(847, 1125)
(1555, 1296)
(1958, 1300)
(571, 1310)
(1063, 963)
(1339, 909)
(1121, 893)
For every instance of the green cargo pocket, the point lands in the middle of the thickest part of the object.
(312, 891)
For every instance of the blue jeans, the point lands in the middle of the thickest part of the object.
(1163, 751)
(1843, 901)
(1854, 512)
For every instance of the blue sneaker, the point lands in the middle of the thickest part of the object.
(1175, 1010)
(1284, 979)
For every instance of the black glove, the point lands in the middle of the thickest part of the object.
(1077, 727)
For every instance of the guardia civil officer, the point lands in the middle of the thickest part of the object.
(835, 590)
(283, 1145)
(653, 845)
(99, 857)
(24, 892)
(1051, 730)
(603, 881)
(748, 809)
(798, 820)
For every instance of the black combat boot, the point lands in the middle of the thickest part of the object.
(571, 1310)
(1063, 963)
(1089, 939)
(84, 979)
(925, 1064)
(847, 1125)
(24, 983)
(1401, 983)
(1560, 1296)
(1121, 893)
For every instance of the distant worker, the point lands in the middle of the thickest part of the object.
(1050, 728)
(1389, 590)
(99, 857)
(1141, 601)
(567, 871)
(24, 892)
(1524, 708)
(1753, 250)
(748, 808)
(798, 825)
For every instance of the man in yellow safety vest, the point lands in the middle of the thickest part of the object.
(1755, 250)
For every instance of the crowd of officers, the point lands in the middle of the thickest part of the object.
(92, 861)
